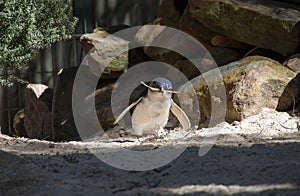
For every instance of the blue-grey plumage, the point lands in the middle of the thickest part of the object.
(151, 111)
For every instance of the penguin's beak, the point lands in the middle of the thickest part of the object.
(157, 89)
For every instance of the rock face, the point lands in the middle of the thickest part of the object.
(251, 84)
(107, 55)
(62, 121)
(37, 111)
(268, 24)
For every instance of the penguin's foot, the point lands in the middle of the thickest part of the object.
(139, 137)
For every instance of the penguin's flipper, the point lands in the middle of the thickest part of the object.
(127, 110)
(181, 116)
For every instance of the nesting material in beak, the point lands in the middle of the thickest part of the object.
(157, 89)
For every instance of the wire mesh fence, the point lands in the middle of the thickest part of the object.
(44, 68)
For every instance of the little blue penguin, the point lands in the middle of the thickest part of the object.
(151, 111)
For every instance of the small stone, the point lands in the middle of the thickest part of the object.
(18, 124)
(293, 63)
(122, 133)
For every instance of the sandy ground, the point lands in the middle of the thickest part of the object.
(258, 156)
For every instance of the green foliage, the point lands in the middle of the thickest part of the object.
(29, 25)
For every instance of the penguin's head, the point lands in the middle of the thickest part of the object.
(161, 84)
(159, 88)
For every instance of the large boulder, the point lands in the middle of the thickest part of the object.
(170, 41)
(102, 98)
(102, 32)
(64, 126)
(206, 36)
(89, 42)
(37, 111)
(222, 48)
(107, 55)
(156, 35)
(62, 120)
(268, 24)
(251, 84)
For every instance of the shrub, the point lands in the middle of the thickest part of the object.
(29, 25)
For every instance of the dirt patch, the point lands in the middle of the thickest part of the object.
(260, 155)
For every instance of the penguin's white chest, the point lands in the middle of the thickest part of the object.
(149, 116)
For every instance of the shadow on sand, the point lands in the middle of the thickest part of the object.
(84, 174)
